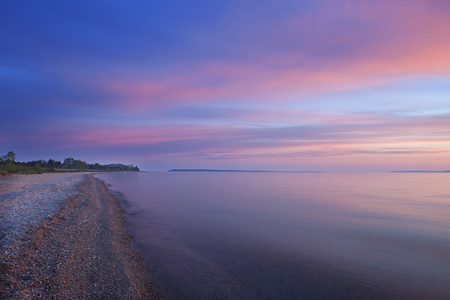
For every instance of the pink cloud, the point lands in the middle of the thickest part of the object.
(349, 140)
(398, 41)
(256, 83)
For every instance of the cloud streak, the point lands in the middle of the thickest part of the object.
(240, 82)
(377, 135)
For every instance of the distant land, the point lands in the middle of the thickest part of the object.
(238, 171)
(9, 165)
(420, 171)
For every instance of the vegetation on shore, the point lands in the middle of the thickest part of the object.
(9, 165)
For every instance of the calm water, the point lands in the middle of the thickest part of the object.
(291, 235)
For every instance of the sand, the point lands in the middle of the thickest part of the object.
(63, 236)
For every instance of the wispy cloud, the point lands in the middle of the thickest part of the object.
(268, 81)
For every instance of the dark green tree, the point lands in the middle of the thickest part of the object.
(9, 157)
(68, 162)
(51, 163)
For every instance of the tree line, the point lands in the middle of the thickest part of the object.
(9, 161)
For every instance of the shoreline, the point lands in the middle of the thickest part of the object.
(64, 236)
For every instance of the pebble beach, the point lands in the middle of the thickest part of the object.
(63, 236)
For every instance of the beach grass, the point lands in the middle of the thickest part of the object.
(12, 168)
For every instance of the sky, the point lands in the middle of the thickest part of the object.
(323, 85)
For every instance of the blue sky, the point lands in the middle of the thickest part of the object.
(293, 85)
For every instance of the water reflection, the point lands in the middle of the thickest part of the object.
(291, 236)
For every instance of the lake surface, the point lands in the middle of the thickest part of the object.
(291, 235)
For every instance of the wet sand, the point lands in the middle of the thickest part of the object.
(63, 236)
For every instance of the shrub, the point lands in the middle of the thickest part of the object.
(11, 167)
(38, 168)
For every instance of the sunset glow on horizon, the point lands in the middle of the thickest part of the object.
(338, 86)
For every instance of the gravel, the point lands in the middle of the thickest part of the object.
(63, 236)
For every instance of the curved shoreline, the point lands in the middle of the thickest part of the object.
(64, 236)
